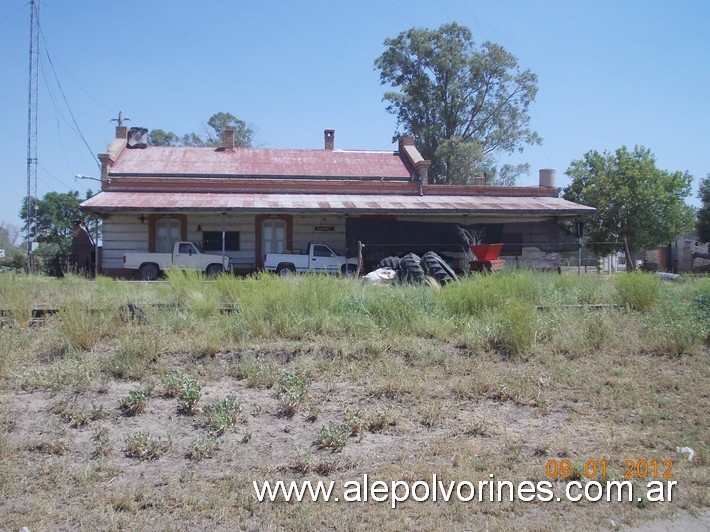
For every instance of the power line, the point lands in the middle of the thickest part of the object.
(71, 113)
(12, 14)
(50, 174)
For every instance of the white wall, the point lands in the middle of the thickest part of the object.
(244, 224)
(305, 232)
(122, 233)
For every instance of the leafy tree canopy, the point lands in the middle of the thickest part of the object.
(634, 200)
(54, 218)
(243, 134)
(463, 104)
(9, 236)
(703, 221)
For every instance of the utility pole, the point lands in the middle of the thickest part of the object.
(32, 93)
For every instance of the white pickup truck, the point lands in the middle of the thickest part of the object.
(320, 258)
(184, 255)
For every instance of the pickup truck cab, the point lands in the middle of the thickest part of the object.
(184, 255)
(320, 258)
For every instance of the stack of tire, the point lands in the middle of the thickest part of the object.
(414, 269)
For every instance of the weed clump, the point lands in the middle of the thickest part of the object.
(292, 392)
(172, 383)
(102, 442)
(256, 373)
(135, 402)
(202, 447)
(144, 446)
(190, 394)
(333, 437)
(222, 414)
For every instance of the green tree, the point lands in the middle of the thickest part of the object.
(158, 137)
(243, 134)
(703, 220)
(9, 235)
(218, 122)
(636, 202)
(53, 221)
(463, 104)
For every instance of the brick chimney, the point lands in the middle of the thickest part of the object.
(228, 139)
(406, 140)
(329, 136)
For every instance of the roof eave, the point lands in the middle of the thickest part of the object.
(556, 213)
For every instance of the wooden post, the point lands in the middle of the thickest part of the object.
(629, 259)
(96, 248)
(360, 245)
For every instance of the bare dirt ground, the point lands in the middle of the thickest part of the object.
(65, 461)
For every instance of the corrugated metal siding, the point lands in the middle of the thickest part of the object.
(260, 162)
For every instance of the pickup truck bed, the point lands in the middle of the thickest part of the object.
(320, 258)
(184, 255)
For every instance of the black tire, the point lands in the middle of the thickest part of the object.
(149, 272)
(437, 267)
(411, 269)
(285, 269)
(213, 270)
(389, 262)
(432, 268)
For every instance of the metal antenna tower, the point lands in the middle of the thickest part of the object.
(32, 93)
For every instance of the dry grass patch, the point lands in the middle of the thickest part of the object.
(332, 381)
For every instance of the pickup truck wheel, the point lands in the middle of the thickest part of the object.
(213, 270)
(286, 270)
(149, 272)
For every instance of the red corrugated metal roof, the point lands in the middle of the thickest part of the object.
(351, 203)
(159, 161)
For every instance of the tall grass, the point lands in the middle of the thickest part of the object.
(83, 328)
(350, 319)
(19, 294)
(488, 293)
(638, 291)
(700, 297)
(517, 322)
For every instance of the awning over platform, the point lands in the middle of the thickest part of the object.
(106, 202)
